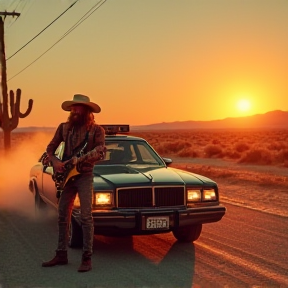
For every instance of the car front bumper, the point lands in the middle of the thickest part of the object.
(134, 221)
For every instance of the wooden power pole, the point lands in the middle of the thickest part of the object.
(2, 48)
(4, 103)
(9, 122)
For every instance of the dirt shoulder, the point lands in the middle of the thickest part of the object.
(231, 165)
(263, 188)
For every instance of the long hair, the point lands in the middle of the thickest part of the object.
(86, 118)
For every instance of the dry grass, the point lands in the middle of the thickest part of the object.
(234, 176)
(268, 147)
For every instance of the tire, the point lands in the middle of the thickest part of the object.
(75, 234)
(188, 233)
(39, 204)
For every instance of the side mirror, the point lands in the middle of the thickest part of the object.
(167, 161)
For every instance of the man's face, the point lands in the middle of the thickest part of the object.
(78, 114)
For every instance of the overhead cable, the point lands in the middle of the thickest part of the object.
(42, 30)
(95, 7)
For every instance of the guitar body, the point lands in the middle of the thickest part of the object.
(61, 179)
(72, 172)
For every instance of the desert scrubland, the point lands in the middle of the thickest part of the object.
(268, 147)
(259, 147)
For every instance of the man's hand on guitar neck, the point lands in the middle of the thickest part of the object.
(98, 153)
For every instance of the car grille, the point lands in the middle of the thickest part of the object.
(141, 197)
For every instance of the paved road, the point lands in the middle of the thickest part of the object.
(247, 248)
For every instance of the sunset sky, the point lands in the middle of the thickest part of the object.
(149, 61)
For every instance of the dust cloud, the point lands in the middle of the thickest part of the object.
(14, 172)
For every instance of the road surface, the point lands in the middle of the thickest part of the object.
(247, 248)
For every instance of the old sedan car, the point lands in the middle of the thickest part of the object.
(136, 193)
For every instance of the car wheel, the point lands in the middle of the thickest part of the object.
(75, 234)
(188, 233)
(39, 204)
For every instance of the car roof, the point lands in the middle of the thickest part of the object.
(123, 137)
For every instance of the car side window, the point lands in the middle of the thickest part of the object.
(146, 155)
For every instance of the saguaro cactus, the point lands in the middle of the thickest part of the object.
(10, 122)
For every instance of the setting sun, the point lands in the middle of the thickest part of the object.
(243, 105)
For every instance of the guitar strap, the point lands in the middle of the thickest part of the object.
(79, 150)
(83, 145)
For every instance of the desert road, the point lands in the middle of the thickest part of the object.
(247, 248)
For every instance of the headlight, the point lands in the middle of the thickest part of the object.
(209, 195)
(193, 195)
(103, 198)
(99, 199)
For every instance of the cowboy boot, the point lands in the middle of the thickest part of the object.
(85, 265)
(59, 259)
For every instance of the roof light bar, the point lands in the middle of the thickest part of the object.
(114, 129)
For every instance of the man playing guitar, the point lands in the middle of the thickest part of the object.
(79, 133)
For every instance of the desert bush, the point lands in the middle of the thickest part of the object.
(257, 156)
(282, 156)
(241, 147)
(188, 152)
(212, 151)
(215, 141)
(276, 145)
(172, 147)
(231, 153)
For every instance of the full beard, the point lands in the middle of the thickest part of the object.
(77, 120)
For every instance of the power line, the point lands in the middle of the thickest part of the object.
(80, 21)
(13, 6)
(42, 30)
(23, 11)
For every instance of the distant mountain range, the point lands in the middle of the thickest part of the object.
(274, 119)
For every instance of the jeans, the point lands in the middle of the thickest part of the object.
(81, 184)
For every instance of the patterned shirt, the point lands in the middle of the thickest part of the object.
(75, 139)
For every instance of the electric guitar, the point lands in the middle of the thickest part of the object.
(70, 170)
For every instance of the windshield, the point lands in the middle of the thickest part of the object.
(130, 153)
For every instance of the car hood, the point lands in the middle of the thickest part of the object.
(122, 175)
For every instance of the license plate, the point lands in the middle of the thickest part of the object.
(161, 222)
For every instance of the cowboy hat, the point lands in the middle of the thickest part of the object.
(83, 100)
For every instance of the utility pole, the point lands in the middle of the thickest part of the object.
(3, 64)
(9, 122)
(2, 50)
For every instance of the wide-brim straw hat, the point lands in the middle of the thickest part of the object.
(83, 100)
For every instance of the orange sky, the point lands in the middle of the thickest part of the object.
(150, 61)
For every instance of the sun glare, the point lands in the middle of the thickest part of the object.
(243, 105)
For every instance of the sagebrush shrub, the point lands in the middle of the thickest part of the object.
(282, 156)
(212, 150)
(173, 147)
(257, 156)
(241, 147)
(188, 152)
(276, 145)
(232, 154)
